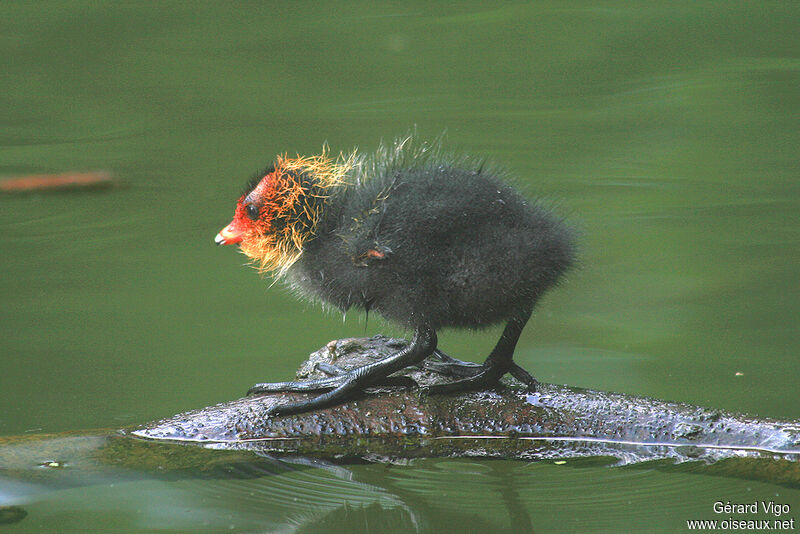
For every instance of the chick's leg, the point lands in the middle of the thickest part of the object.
(499, 362)
(452, 367)
(345, 386)
(337, 377)
(445, 365)
(319, 384)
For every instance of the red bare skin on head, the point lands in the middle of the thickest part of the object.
(252, 216)
(271, 222)
(262, 199)
(278, 196)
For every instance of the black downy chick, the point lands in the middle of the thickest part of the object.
(425, 241)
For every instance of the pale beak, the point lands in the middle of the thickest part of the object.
(228, 236)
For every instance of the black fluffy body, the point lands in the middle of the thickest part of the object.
(461, 248)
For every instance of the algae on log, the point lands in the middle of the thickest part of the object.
(554, 422)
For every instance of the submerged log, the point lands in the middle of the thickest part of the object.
(510, 422)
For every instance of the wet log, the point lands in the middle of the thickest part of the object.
(509, 422)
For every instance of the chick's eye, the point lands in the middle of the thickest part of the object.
(252, 211)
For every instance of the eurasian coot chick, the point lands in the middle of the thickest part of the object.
(424, 240)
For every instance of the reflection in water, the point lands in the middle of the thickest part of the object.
(179, 488)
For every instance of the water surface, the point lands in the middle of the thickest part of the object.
(667, 133)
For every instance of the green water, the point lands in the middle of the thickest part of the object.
(668, 133)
